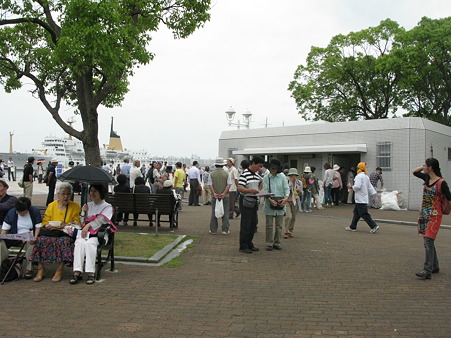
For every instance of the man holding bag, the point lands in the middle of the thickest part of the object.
(219, 183)
(276, 184)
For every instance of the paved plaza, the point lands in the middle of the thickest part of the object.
(325, 281)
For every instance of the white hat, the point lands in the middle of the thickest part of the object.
(219, 162)
(336, 167)
(231, 160)
(167, 184)
(307, 169)
(54, 160)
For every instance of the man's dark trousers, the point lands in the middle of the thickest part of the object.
(51, 195)
(193, 196)
(248, 225)
(361, 211)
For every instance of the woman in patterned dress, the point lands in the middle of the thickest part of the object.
(430, 216)
(60, 249)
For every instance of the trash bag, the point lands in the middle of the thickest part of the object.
(389, 200)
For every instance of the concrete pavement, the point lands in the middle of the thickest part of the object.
(325, 281)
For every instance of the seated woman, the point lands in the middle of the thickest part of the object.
(53, 246)
(20, 219)
(122, 187)
(95, 213)
(141, 188)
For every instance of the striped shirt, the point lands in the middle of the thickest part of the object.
(249, 180)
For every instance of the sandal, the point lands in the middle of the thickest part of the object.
(75, 279)
(91, 279)
(28, 274)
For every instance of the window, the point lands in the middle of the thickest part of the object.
(449, 154)
(383, 155)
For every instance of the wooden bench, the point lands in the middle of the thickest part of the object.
(155, 205)
(106, 242)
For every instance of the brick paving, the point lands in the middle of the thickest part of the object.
(325, 281)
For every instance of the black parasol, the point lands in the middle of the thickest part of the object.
(88, 174)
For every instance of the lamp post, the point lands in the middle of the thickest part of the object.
(230, 115)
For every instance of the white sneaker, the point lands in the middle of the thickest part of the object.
(373, 231)
(213, 233)
(350, 229)
(226, 232)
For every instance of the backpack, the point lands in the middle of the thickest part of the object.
(445, 203)
(16, 271)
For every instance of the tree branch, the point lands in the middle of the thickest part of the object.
(32, 20)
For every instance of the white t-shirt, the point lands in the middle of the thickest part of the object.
(24, 224)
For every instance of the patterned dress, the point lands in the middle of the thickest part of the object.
(56, 249)
(430, 216)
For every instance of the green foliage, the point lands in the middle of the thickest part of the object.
(425, 55)
(350, 79)
(82, 51)
(372, 73)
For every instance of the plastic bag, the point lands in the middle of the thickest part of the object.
(219, 209)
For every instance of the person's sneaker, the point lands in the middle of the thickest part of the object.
(436, 270)
(350, 229)
(286, 235)
(373, 231)
(309, 210)
(269, 248)
(248, 251)
(277, 247)
(423, 274)
(226, 232)
(211, 232)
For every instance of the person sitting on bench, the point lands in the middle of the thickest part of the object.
(20, 219)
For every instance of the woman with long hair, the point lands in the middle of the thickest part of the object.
(431, 214)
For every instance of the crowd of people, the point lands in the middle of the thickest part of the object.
(240, 191)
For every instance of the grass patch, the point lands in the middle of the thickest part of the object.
(140, 245)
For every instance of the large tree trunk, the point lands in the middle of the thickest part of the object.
(88, 112)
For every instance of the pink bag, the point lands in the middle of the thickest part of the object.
(92, 218)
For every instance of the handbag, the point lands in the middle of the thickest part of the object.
(20, 183)
(249, 201)
(445, 203)
(54, 232)
(93, 232)
(277, 199)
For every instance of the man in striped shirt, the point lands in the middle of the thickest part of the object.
(248, 186)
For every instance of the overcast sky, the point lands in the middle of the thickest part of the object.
(244, 57)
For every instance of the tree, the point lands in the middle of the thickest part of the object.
(354, 77)
(425, 55)
(81, 52)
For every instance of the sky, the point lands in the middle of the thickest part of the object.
(244, 57)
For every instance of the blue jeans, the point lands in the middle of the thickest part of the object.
(431, 261)
(306, 199)
(327, 193)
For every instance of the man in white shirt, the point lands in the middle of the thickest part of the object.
(11, 169)
(363, 190)
(194, 182)
(234, 177)
(135, 172)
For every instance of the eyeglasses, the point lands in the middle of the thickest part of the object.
(64, 193)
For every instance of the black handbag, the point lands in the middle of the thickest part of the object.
(277, 199)
(54, 232)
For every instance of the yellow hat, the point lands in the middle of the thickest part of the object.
(361, 167)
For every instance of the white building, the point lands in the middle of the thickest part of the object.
(396, 145)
